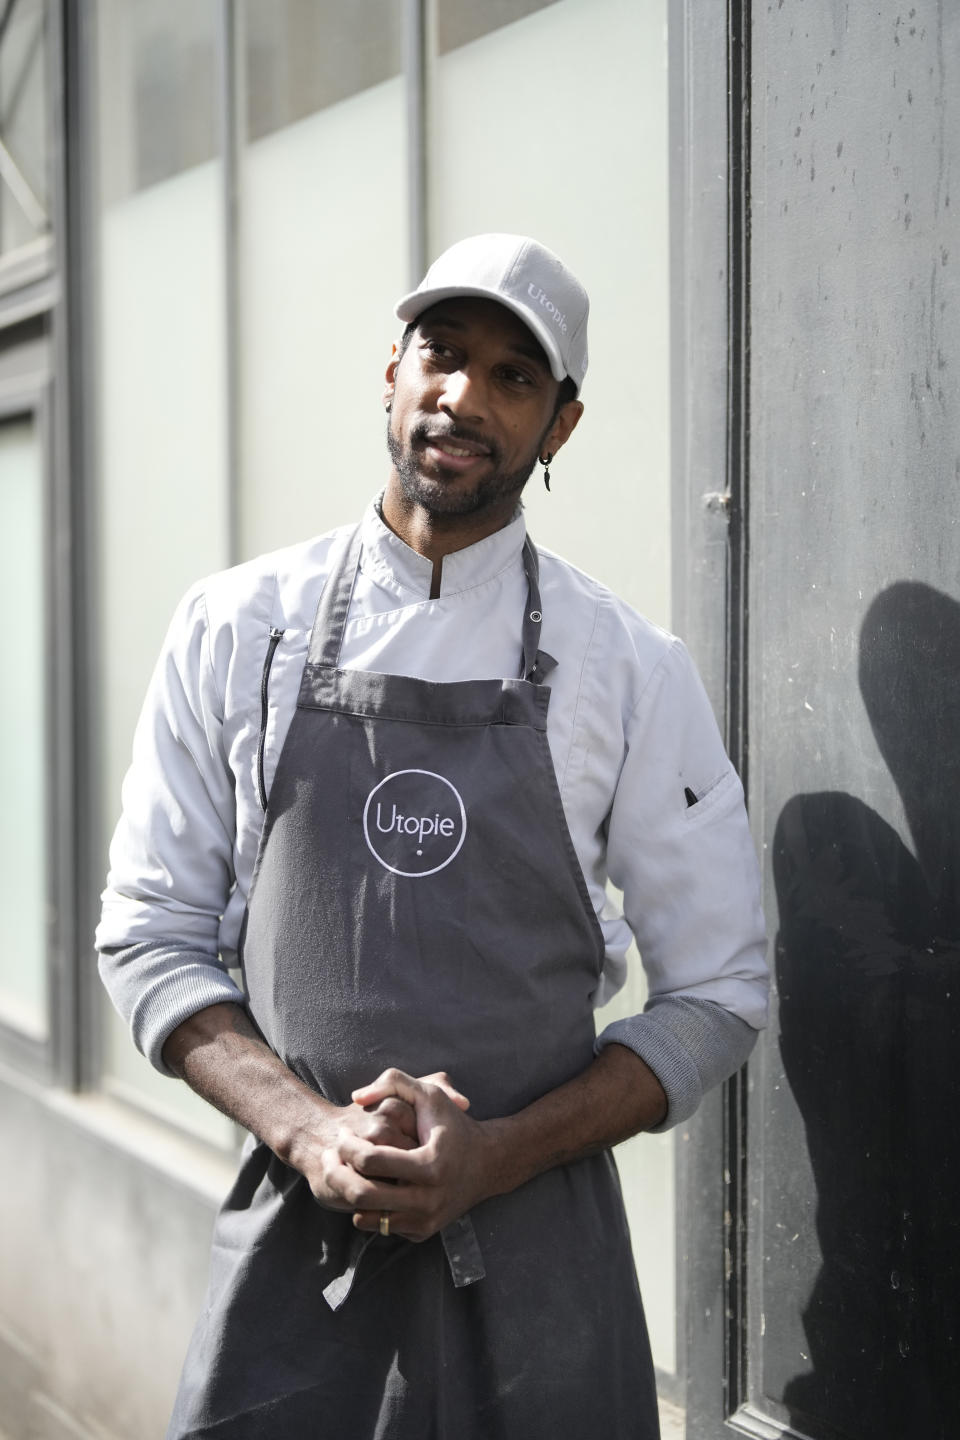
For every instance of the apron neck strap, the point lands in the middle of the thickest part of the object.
(328, 627)
(327, 635)
(536, 662)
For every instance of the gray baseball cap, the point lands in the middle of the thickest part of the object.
(526, 277)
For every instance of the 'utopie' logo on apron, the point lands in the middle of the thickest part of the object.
(414, 822)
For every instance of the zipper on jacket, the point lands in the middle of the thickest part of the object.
(275, 637)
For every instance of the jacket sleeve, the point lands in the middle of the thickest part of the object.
(171, 860)
(680, 849)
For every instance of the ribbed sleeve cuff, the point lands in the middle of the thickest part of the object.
(157, 985)
(690, 1045)
(174, 1000)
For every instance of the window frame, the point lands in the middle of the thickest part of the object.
(33, 338)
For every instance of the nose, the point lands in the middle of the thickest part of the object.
(464, 395)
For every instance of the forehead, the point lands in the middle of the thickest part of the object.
(475, 319)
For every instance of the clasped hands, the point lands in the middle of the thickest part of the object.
(404, 1146)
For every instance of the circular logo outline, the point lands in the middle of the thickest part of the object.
(415, 874)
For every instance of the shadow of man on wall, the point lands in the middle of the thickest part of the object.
(868, 965)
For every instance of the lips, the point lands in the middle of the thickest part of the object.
(446, 447)
(453, 453)
(458, 447)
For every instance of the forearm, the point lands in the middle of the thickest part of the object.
(617, 1096)
(219, 1054)
(157, 984)
(690, 1044)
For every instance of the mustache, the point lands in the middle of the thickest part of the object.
(423, 434)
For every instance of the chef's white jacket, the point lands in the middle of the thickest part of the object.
(631, 734)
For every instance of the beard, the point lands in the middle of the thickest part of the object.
(440, 499)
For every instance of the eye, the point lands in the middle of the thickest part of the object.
(437, 349)
(519, 378)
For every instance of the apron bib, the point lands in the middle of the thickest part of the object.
(417, 902)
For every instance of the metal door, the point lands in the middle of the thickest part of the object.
(838, 1310)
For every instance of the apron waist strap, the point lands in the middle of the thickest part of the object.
(460, 1245)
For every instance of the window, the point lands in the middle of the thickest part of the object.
(159, 482)
(24, 170)
(25, 878)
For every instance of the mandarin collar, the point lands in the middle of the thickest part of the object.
(390, 563)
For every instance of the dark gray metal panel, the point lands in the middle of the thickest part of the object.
(854, 1306)
(702, 363)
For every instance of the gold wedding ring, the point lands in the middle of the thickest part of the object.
(384, 1222)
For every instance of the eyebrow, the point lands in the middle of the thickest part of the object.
(529, 349)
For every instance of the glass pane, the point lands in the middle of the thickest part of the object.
(647, 1175)
(303, 55)
(161, 422)
(23, 757)
(23, 125)
(323, 260)
(158, 90)
(460, 21)
(593, 185)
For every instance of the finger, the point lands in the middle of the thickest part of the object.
(384, 1129)
(402, 1224)
(392, 1082)
(405, 1162)
(388, 1136)
(390, 1122)
(342, 1188)
(398, 1084)
(389, 1165)
(397, 1112)
(353, 1191)
(442, 1080)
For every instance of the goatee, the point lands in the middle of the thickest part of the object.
(437, 497)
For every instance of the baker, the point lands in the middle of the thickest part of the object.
(389, 772)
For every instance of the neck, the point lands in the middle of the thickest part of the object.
(434, 536)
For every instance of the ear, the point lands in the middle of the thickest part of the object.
(391, 376)
(565, 422)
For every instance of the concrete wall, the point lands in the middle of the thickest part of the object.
(104, 1232)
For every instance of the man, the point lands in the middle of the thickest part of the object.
(393, 769)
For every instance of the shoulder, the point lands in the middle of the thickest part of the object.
(223, 622)
(633, 652)
(281, 587)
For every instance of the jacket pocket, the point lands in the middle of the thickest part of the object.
(727, 787)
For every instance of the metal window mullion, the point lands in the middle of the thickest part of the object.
(54, 415)
(232, 93)
(74, 219)
(415, 76)
(736, 1363)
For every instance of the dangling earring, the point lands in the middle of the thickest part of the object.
(546, 467)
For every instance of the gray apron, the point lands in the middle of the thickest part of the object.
(417, 901)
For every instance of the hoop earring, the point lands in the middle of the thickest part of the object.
(546, 467)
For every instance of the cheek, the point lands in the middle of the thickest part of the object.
(411, 395)
(526, 436)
